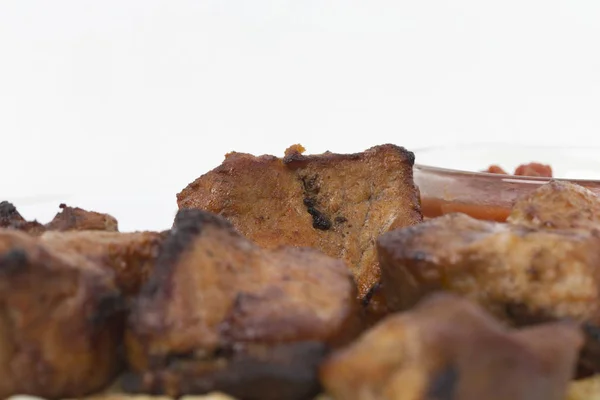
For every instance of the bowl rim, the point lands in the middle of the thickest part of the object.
(500, 177)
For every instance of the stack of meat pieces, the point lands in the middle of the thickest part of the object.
(259, 291)
(337, 203)
(542, 265)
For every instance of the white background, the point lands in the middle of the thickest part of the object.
(119, 104)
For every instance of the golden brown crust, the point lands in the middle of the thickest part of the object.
(337, 203)
(220, 313)
(558, 205)
(60, 321)
(68, 219)
(129, 255)
(78, 219)
(520, 275)
(448, 348)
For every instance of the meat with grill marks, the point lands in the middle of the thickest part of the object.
(220, 313)
(449, 348)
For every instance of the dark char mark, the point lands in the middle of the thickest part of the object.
(369, 295)
(13, 260)
(443, 385)
(188, 224)
(284, 371)
(7, 209)
(259, 372)
(109, 306)
(311, 189)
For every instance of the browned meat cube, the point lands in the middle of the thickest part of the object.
(448, 348)
(513, 271)
(61, 321)
(10, 218)
(220, 313)
(520, 275)
(558, 205)
(130, 256)
(337, 203)
(77, 219)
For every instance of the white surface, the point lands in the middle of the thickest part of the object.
(566, 162)
(131, 100)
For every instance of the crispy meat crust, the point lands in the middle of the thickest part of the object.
(558, 205)
(68, 219)
(448, 348)
(337, 203)
(77, 219)
(221, 313)
(522, 276)
(130, 256)
(61, 321)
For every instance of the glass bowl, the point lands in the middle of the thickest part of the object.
(449, 180)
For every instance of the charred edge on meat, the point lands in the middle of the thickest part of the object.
(7, 209)
(520, 313)
(592, 331)
(109, 306)
(188, 225)
(443, 386)
(286, 371)
(13, 260)
(311, 190)
(369, 295)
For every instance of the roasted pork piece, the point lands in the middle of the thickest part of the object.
(61, 321)
(558, 205)
(220, 313)
(130, 256)
(449, 348)
(519, 274)
(337, 203)
(68, 219)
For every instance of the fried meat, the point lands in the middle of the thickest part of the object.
(449, 348)
(220, 313)
(78, 219)
(522, 276)
(68, 219)
(10, 218)
(336, 203)
(130, 256)
(558, 205)
(61, 321)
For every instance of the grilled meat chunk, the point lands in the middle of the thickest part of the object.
(130, 256)
(520, 275)
(68, 219)
(449, 348)
(10, 218)
(77, 219)
(220, 313)
(61, 321)
(558, 205)
(336, 203)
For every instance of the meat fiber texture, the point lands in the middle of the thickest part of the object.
(337, 203)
